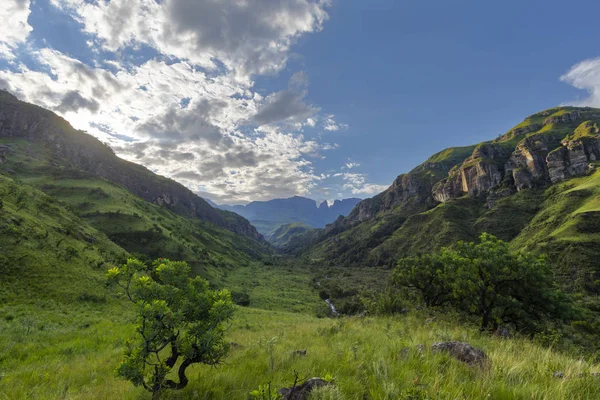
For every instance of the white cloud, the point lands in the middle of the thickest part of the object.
(14, 28)
(193, 112)
(330, 124)
(585, 76)
(356, 183)
(247, 36)
(139, 112)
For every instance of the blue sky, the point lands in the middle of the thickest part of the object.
(264, 99)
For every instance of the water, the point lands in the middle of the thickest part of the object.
(332, 307)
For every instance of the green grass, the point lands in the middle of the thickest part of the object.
(138, 226)
(372, 358)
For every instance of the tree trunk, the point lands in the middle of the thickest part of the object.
(183, 379)
(485, 321)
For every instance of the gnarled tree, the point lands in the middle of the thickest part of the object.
(180, 322)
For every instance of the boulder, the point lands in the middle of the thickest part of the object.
(463, 352)
(302, 392)
(558, 375)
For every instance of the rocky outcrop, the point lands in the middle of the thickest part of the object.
(76, 149)
(573, 158)
(476, 176)
(522, 131)
(449, 188)
(405, 187)
(539, 159)
(527, 163)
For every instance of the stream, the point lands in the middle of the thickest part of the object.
(332, 307)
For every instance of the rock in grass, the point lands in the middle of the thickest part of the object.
(302, 392)
(463, 352)
(558, 375)
(301, 353)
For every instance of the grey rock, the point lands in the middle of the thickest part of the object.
(302, 392)
(463, 352)
(558, 375)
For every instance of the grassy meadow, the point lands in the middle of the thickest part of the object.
(50, 353)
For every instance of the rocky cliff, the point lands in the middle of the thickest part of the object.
(71, 148)
(546, 147)
(534, 154)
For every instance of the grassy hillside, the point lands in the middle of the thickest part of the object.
(406, 219)
(140, 227)
(32, 134)
(282, 235)
(63, 332)
(46, 252)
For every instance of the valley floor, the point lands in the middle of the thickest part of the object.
(54, 351)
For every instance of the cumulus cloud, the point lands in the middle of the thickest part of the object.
(191, 112)
(248, 36)
(14, 29)
(585, 76)
(74, 101)
(356, 183)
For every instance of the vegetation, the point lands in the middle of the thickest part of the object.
(63, 230)
(179, 319)
(281, 236)
(486, 279)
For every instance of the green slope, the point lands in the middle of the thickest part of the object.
(46, 252)
(140, 227)
(561, 219)
(282, 235)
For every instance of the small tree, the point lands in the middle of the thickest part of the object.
(427, 274)
(501, 286)
(485, 279)
(179, 321)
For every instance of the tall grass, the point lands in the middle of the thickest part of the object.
(369, 358)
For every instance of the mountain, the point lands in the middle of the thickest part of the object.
(282, 235)
(145, 214)
(536, 186)
(68, 147)
(267, 216)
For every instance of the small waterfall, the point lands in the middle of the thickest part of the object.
(332, 307)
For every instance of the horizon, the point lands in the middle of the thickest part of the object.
(318, 99)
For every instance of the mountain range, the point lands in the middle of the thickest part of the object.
(267, 216)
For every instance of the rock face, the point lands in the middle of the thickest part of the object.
(573, 158)
(405, 187)
(302, 392)
(76, 149)
(527, 163)
(476, 176)
(463, 352)
(537, 160)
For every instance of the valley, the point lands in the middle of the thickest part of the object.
(71, 211)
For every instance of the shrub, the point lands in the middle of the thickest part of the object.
(179, 319)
